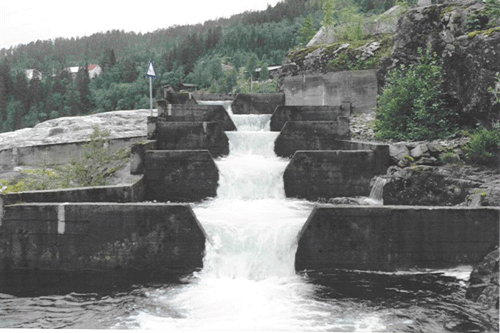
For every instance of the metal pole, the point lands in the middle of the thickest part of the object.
(151, 96)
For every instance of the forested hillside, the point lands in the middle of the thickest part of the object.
(218, 56)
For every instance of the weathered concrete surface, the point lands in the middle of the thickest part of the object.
(180, 175)
(213, 97)
(315, 175)
(196, 113)
(138, 155)
(117, 193)
(285, 113)
(101, 237)
(357, 87)
(179, 98)
(392, 237)
(56, 153)
(192, 136)
(381, 152)
(257, 103)
(310, 135)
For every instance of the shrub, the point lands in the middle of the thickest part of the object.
(411, 107)
(484, 146)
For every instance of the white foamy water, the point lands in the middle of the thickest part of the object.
(248, 280)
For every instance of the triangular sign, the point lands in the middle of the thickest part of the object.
(151, 70)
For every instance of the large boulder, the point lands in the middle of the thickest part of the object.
(484, 281)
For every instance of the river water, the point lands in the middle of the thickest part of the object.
(248, 281)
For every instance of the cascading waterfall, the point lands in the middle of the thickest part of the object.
(248, 280)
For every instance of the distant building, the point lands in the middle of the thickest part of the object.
(72, 70)
(188, 87)
(94, 71)
(31, 73)
(273, 71)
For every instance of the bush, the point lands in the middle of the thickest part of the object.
(411, 107)
(484, 147)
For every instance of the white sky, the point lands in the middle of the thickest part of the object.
(25, 21)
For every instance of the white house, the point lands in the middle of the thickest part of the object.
(30, 73)
(94, 71)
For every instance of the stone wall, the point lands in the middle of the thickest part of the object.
(392, 237)
(101, 237)
(333, 88)
(180, 175)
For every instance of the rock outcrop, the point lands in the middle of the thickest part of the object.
(462, 35)
(434, 173)
(68, 129)
(484, 281)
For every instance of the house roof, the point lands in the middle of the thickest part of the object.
(92, 67)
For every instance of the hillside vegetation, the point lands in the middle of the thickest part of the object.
(218, 56)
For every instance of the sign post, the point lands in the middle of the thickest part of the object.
(151, 73)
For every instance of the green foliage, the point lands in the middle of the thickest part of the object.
(411, 107)
(485, 18)
(308, 31)
(92, 168)
(484, 146)
(495, 91)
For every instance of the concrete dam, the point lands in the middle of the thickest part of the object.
(229, 205)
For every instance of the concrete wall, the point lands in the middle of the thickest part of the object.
(195, 113)
(285, 113)
(179, 98)
(213, 97)
(315, 175)
(55, 154)
(138, 155)
(180, 176)
(381, 153)
(128, 193)
(257, 103)
(310, 135)
(392, 237)
(192, 136)
(101, 237)
(357, 87)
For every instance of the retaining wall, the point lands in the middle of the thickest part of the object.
(257, 103)
(285, 113)
(101, 237)
(213, 97)
(57, 153)
(180, 176)
(310, 135)
(396, 237)
(315, 175)
(357, 87)
(192, 135)
(179, 98)
(195, 113)
(118, 193)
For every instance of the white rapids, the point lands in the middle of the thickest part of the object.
(248, 280)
